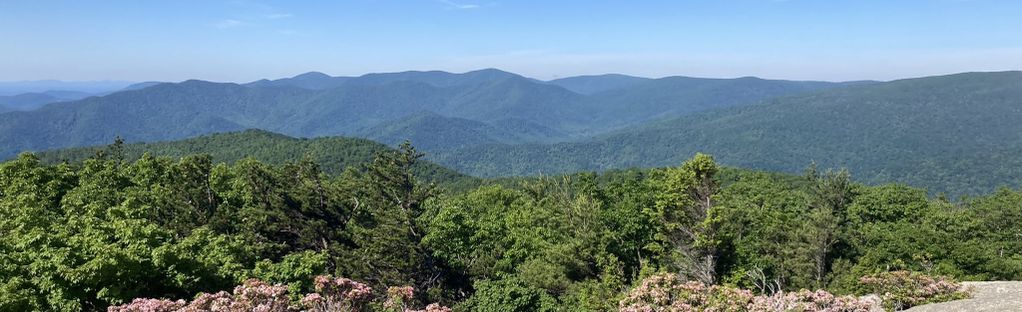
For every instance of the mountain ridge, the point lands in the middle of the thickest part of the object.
(940, 132)
(166, 111)
(333, 154)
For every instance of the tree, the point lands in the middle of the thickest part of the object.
(387, 235)
(829, 195)
(684, 205)
(761, 248)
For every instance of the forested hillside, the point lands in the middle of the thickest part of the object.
(435, 132)
(87, 235)
(957, 134)
(677, 96)
(332, 154)
(504, 107)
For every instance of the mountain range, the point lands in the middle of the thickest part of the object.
(956, 133)
(40, 86)
(503, 107)
(34, 100)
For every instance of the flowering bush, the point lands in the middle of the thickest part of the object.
(253, 295)
(332, 295)
(814, 301)
(668, 293)
(337, 294)
(149, 305)
(432, 307)
(902, 289)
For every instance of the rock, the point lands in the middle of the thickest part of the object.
(986, 297)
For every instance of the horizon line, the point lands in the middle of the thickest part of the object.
(114, 80)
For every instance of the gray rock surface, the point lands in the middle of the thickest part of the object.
(986, 297)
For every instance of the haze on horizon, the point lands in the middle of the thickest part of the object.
(247, 40)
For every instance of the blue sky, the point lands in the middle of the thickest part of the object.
(246, 40)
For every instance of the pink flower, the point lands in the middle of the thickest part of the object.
(332, 295)
(149, 305)
(432, 307)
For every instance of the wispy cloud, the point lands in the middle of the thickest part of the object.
(249, 13)
(228, 23)
(459, 6)
(274, 16)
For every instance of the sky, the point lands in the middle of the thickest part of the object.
(246, 40)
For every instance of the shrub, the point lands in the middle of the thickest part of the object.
(149, 305)
(253, 295)
(331, 295)
(669, 293)
(432, 307)
(337, 294)
(508, 295)
(814, 301)
(903, 289)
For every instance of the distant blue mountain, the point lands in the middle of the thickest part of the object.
(310, 80)
(438, 110)
(31, 101)
(140, 85)
(598, 83)
(40, 86)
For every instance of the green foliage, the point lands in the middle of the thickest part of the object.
(888, 203)
(577, 239)
(507, 296)
(95, 243)
(100, 232)
(760, 214)
(84, 236)
(684, 205)
(296, 270)
(387, 229)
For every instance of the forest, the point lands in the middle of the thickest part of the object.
(98, 233)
